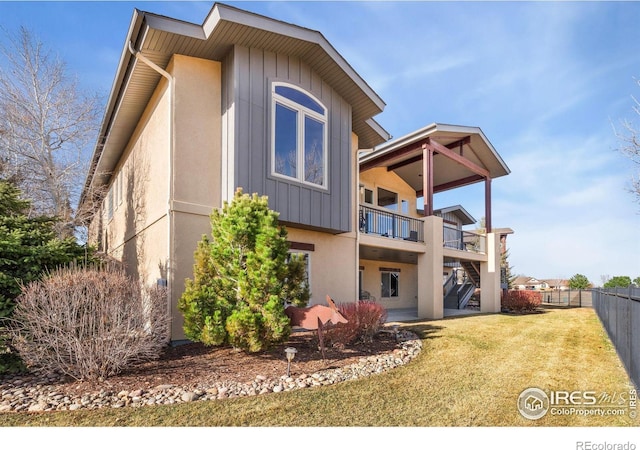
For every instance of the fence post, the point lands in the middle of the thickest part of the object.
(580, 298)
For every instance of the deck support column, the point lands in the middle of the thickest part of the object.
(430, 292)
(487, 205)
(427, 179)
(490, 276)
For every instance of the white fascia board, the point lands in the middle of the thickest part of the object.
(375, 126)
(175, 26)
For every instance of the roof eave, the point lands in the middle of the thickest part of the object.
(114, 95)
(142, 21)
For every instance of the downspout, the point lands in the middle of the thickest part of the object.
(357, 226)
(171, 89)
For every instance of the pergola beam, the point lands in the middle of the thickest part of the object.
(453, 184)
(425, 150)
(438, 147)
(404, 163)
(408, 150)
(377, 162)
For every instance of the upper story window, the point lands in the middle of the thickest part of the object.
(299, 130)
(387, 199)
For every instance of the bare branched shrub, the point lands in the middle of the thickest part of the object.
(365, 319)
(521, 301)
(89, 323)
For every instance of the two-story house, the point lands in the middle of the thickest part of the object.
(245, 101)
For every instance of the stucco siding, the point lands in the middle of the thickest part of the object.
(197, 167)
(407, 288)
(332, 265)
(137, 231)
(197, 127)
(189, 230)
(379, 177)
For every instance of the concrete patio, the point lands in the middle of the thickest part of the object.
(410, 314)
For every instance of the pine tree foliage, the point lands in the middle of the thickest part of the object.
(622, 281)
(579, 281)
(507, 270)
(29, 247)
(243, 276)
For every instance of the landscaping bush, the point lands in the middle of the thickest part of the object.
(28, 248)
(365, 318)
(243, 276)
(89, 323)
(521, 301)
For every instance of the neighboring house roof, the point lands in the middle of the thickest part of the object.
(403, 156)
(459, 211)
(528, 281)
(159, 38)
(557, 282)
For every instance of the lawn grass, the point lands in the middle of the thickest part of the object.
(470, 373)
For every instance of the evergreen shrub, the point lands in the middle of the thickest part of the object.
(243, 276)
(29, 247)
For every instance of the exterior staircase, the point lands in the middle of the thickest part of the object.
(457, 295)
(473, 271)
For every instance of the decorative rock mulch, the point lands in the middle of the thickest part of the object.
(38, 393)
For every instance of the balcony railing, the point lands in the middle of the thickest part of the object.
(396, 226)
(464, 240)
(391, 225)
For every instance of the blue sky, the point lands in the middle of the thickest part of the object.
(546, 82)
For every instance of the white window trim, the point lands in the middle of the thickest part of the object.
(120, 186)
(109, 204)
(302, 113)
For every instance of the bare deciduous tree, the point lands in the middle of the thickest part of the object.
(46, 123)
(629, 135)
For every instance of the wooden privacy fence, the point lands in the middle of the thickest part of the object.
(619, 312)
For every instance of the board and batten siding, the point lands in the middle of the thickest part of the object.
(246, 140)
(451, 219)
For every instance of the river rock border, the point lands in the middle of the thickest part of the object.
(38, 393)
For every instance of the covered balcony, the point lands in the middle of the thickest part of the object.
(438, 158)
(396, 236)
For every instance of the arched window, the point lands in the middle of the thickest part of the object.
(299, 136)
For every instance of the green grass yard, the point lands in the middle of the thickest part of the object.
(470, 373)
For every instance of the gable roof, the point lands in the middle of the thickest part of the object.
(159, 38)
(403, 156)
(460, 212)
(557, 282)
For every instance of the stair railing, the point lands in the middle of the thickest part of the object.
(450, 283)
